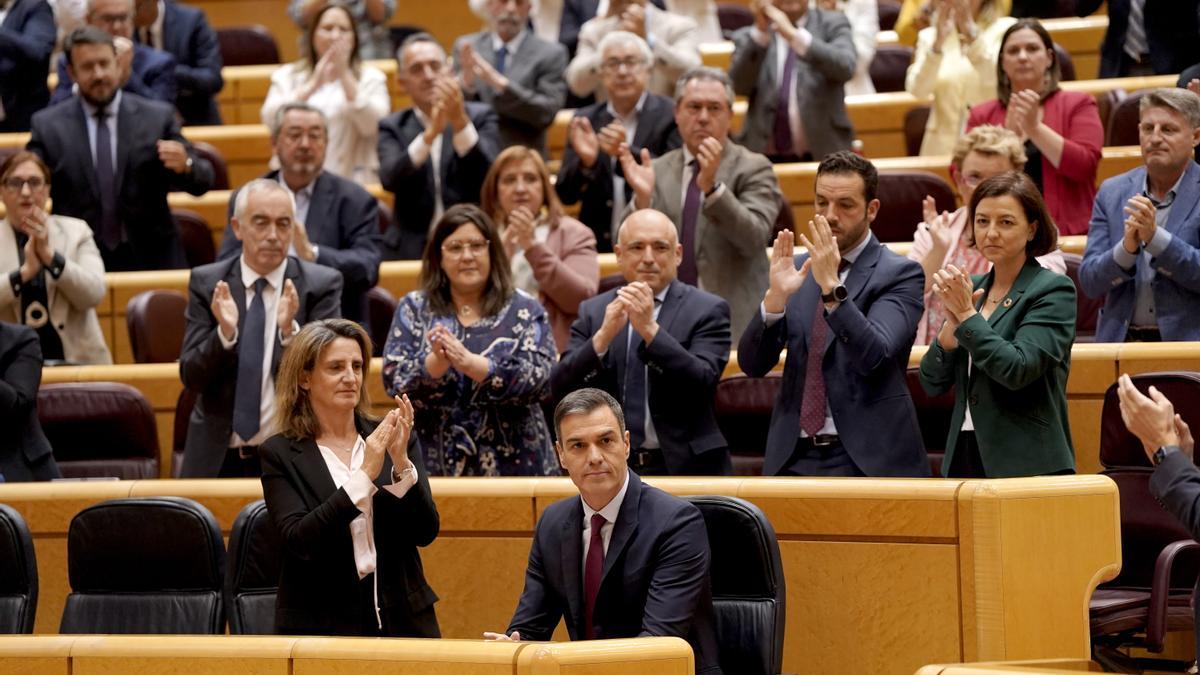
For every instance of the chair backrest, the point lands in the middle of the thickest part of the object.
(610, 281)
(889, 67)
(731, 16)
(1123, 121)
(99, 429)
(156, 324)
(900, 195)
(385, 216)
(220, 166)
(247, 45)
(1065, 63)
(785, 220)
(914, 129)
(1087, 309)
(150, 565)
(888, 13)
(196, 237)
(381, 309)
(748, 587)
(1146, 528)
(743, 407)
(254, 564)
(933, 416)
(18, 574)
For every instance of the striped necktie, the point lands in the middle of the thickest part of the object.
(1135, 32)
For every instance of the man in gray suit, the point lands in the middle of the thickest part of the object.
(515, 72)
(723, 198)
(792, 64)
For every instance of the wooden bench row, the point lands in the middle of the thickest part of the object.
(1093, 368)
(279, 655)
(882, 575)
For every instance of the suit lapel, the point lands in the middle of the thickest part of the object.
(1028, 272)
(671, 180)
(320, 211)
(571, 547)
(623, 529)
(671, 306)
(860, 271)
(311, 468)
(1185, 200)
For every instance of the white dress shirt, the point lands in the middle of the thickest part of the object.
(630, 123)
(610, 512)
(303, 199)
(266, 406)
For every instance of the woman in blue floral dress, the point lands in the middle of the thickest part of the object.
(474, 355)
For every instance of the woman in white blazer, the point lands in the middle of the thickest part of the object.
(54, 277)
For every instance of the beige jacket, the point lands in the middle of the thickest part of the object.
(73, 296)
(675, 46)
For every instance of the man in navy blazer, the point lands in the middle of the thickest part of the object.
(184, 33)
(622, 560)
(1143, 245)
(591, 172)
(27, 37)
(149, 73)
(661, 338)
(466, 136)
(148, 158)
(855, 417)
(337, 221)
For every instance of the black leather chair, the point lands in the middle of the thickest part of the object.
(747, 585)
(1123, 121)
(254, 562)
(914, 129)
(183, 413)
(151, 565)
(933, 416)
(733, 16)
(1159, 560)
(888, 11)
(99, 429)
(900, 194)
(247, 45)
(381, 309)
(156, 323)
(198, 246)
(18, 574)
(220, 166)
(889, 67)
(1066, 64)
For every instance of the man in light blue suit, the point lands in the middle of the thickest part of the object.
(1143, 246)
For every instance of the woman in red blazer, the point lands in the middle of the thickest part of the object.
(1061, 129)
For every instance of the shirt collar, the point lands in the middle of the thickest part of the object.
(113, 106)
(1171, 194)
(274, 277)
(306, 191)
(610, 510)
(513, 44)
(637, 109)
(852, 255)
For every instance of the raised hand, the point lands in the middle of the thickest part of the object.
(398, 450)
(785, 279)
(584, 141)
(639, 307)
(615, 318)
(640, 177)
(285, 314)
(173, 155)
(380, 442)
(1139, 215)
(633, 20)
(611, 137)
(518, 229)
(824, 254)
(955, 290)
(708, 155)
(451, 103)
(225, 310)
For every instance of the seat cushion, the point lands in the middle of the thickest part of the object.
(255, 611)
(136, 613)
(745, 629)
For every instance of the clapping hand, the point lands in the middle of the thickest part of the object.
(785, 278)
(708, 156)
(1139, 216)
(954, 288)
(518, 230)
(938, 226)
(1023, 111)
(398, 450)
(615, 318)
(1152, 418)
(225, 310)
(480, 70)
(824, 254)
(640, 177)
(289, 304)
(639, 307)
(584, 141)
(611, 137)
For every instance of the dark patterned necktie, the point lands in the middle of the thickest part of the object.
(247, 397)
(593, 570)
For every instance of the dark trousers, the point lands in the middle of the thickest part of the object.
(968, 463)
(820, 459)
(652, 463)
(241, 462)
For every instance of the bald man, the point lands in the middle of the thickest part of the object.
(659, 347)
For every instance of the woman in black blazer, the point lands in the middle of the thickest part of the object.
(349, 495)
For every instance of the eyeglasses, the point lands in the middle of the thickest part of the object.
(17, 184)
(456, 249)
(114, 19)
(615, 65)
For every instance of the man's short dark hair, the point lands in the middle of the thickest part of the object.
(420, 36)
(583, 401)
(844, 161)
(87, 35)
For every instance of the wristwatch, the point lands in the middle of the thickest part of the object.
(1161, 454)
(839, 294)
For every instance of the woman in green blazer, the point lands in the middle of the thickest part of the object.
(1006, 344)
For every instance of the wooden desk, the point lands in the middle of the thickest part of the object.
(883, 575)
(1047, 667)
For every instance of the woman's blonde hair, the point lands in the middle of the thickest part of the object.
(992, 141)
(294, 415)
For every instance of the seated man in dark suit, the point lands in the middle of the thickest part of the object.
(435, 154)
(241, 314)
(114, 156)
(659, 346)
(653, 545)
(27, 38)
(144, 71)
(848, 329)
(515, 72)
(337, 221)
(184, 33)
(591, 172)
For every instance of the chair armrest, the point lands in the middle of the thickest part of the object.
(1160, 589)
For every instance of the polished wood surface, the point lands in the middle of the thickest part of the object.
(883, 575)
(1047, 666)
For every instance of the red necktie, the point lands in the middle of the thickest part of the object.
(592, 572)
(812, 406)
